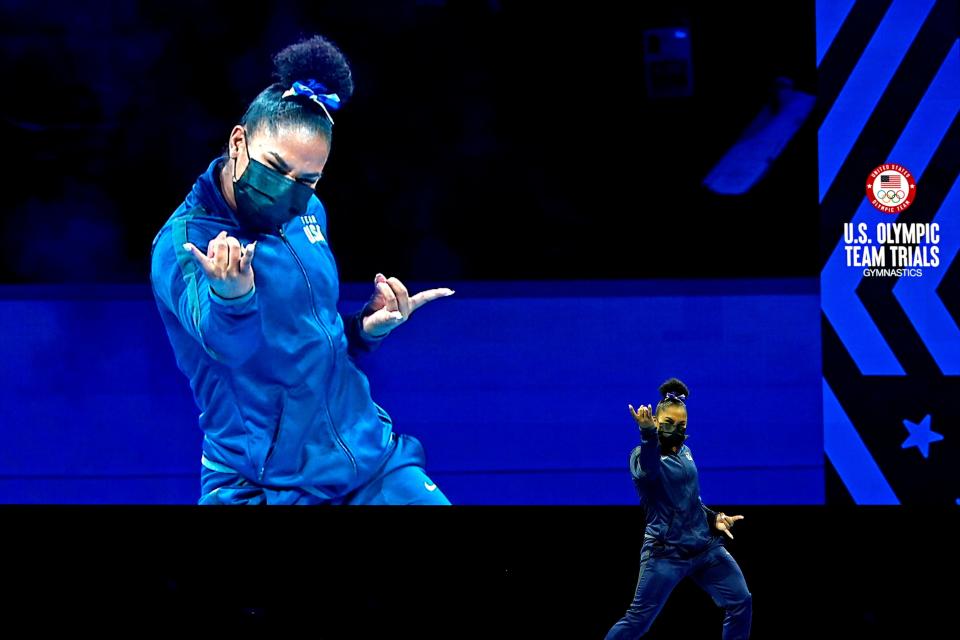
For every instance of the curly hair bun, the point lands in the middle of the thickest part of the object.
(673, 385)
(316, 58)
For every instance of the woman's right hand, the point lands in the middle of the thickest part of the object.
(644, 416)
(227, 265)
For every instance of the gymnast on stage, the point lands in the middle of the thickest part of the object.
(683, 537)
(286, 412)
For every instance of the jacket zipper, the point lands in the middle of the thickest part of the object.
(316, 315)
(673, 509)
(673, 516)
(273, 443)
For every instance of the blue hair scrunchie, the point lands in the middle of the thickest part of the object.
(316, 92)
(672, 396)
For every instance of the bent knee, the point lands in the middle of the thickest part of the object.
(745, 604)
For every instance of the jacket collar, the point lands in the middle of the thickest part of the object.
(206, 193)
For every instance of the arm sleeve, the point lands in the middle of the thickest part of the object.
(357, 339)
(648, 461)
(229, 331)
(710, 514)
(645, 460)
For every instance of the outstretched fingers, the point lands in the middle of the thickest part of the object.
(429, 295)
(197, 254)
(246, 257)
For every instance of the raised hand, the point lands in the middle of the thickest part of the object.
(227, 265)
(643, 416)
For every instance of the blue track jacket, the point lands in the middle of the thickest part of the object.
(281, 397)
(669, 490)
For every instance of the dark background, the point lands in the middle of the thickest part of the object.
(486, 140)
(480, 572)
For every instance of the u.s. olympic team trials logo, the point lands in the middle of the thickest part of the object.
(891, 188)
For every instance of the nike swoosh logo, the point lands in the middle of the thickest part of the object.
(429, 487)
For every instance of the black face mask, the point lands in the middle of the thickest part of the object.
(266, 199)
(671, 436)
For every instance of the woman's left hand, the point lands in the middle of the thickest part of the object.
(725, 523)
(391, 305)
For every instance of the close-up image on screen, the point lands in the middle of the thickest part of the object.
(606, 199)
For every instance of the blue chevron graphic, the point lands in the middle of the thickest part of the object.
(918, 296)
(838, 283)
(830, 17)
(866, 84)
(850, 456)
